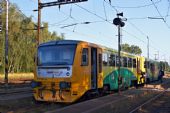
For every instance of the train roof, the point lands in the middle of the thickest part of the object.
(116, 51)
(58, 42)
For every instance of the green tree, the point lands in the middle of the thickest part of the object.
(22, 40)
(131, 49)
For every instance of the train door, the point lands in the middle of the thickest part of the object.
(138, 66)
(93, 68)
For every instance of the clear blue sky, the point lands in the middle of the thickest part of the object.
(136, 30)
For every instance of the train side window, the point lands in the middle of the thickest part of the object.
(117, 61)
(124, 62)
(84, 61)
(105, 59)
(134, 63)
(112, 60)
(100, 63)
(130, 62)
(148, 65)
(145, 64)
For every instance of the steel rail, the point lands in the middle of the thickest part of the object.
(147, 102)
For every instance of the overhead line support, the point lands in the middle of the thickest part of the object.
(6, 45)
(60, 2)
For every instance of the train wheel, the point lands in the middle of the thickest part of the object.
(106, 88)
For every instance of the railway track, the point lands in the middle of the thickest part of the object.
(26, 104)
(157, 104)
(15, 93)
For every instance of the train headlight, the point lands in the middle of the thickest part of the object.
(64, 85)
(35, 84)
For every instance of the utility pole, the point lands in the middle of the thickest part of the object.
(0, 18)
(147, 57)
(119, 49)
(169, 61)
(148, 48)
(6, 46)
(158, 55)
(155, 56)
(118, 22)
(39, 23)
(49, 4)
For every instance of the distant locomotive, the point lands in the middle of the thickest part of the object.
(68, 69)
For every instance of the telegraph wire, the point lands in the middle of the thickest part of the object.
(141, 18)
(87, 35)
(93, 13)
(104, 18)
(75, 24)
(82, 34)
(59, 22)
(138, 28)
(135, 7)
(134, 36)
(160, 14)
(104, 9)
(70, 15)
(167, 10)
(110, 23)
(157, 10)
(145, 36)
(94, 5)
(64, 20)
(109, 3)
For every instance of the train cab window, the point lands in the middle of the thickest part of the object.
(134, 63)
(112, 60)
(124, 62)
(100, 63)
(105, 59)
(130, 62)
(117, 61)
(84, 61)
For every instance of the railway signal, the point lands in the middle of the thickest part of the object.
(119, 23)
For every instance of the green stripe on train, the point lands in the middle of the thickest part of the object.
(112, 78)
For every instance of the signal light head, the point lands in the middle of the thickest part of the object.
(118, 21)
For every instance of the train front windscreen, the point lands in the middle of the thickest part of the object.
(55, 61)
(56, 55)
